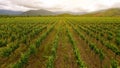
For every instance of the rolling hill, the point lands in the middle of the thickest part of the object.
(112, 12)
(46, 12)
(102, 13)
(38, 12)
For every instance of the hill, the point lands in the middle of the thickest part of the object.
(112, 12)
(46, 12)
(38, 12)
(9, 12)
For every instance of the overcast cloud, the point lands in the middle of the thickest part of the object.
(59, 5)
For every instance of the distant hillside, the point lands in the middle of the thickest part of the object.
(38, 12)
(112, 12)
(46, 12)
(70, 13)
(9, 12)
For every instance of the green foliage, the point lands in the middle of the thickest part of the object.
(76, 51)
(24, 40)
(16, 31)
(24, 57)
(5, 52)
(110, 37)
(3, 43)
(114, 63)
(50, 63)
(101, 55)
(23, 60)
(32, 49)
(112, 47)
(117, 40)
(44, 36)
(12, 38)
(38, 43)
(94, 48)
(101, 34)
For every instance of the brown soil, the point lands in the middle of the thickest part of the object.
(108, 53)
(65, 57)
(90, 59)
(40, 58)
(17, 53)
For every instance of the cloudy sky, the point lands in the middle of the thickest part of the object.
(59, 5)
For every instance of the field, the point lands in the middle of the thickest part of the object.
(60, 42)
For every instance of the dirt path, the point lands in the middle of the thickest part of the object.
(65, 56)
(86, 54)
(40, 58)
(108, 53)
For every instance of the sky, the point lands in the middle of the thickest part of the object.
(59, 5)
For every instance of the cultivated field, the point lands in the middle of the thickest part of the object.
(60, 42)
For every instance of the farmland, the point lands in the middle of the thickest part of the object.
(60, 42)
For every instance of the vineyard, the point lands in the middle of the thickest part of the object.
(60, 42)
